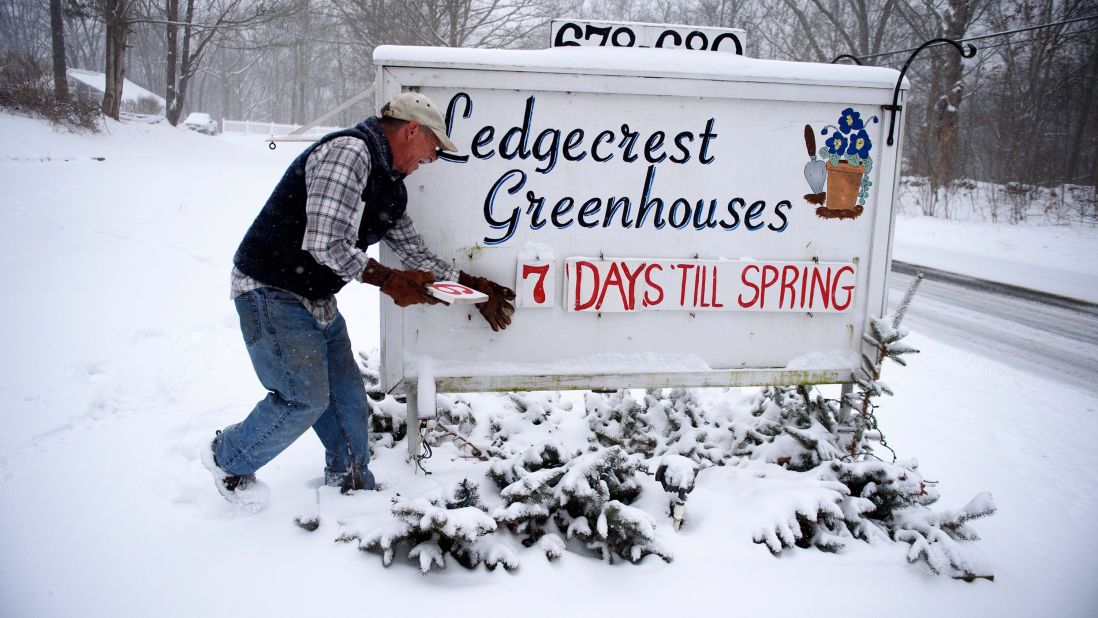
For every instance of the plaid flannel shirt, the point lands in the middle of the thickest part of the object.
(334, 176)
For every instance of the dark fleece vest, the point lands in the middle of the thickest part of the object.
(271, 251)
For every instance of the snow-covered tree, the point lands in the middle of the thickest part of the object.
(533, 415)
(620, 420)
(594, 496)
(687, 429)
(792, 427)
(586, 498)
(454, 523)
(862, 497)
(388, 417)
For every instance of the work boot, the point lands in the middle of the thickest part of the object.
(248, 493)
(352, 481)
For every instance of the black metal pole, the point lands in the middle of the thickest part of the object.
(968, 52)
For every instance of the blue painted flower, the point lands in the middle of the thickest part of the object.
(850, 120)
(859, 144)
(836, 144)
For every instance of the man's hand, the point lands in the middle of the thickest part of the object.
(406, 287)
(497, 309)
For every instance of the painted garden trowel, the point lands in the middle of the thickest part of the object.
(815, 171)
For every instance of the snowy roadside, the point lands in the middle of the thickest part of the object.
(1059, 260)
(124, 354)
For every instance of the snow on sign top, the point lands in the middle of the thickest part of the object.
(669, 63)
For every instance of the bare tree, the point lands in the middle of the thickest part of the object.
(183, 62)
(118, 18)
(57, 32)
(958, 17)
(823, 29)
(450, 23)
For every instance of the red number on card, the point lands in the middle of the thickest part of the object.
(452, 288)
(539, 287)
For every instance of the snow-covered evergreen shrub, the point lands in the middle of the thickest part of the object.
(935, 538)
(620, 420)
(527, 484)
(885, 336)
(388, 417)
(875, 501)
(452, 524)
(870, 499)
(529, 414)
(586, 498)
(826, 487)
(687, 430)
(793, 428)
(594, 496)
(456, 413)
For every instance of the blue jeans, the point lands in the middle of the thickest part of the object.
(313, 380)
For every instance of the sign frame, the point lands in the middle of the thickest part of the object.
(411, 69)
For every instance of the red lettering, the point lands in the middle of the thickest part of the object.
(788, 284)
(713, 300)
(632, 278)
(452, 288)
(580, 306)
(773, 271)
(697, 274)
(652, 285)
(743, 278)
(682, 290)
(804, 285)
(539, 287)
(847, 288)
(613, 278)
(701, 294)
(825, 287)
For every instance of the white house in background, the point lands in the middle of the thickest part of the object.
(135, 99)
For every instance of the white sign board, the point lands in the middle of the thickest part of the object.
(658, 212)
(585, 32)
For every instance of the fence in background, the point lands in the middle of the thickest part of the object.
(252, 127)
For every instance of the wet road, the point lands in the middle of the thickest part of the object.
(1047, 336)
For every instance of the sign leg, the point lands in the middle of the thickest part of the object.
(844, 407)
(415, 435)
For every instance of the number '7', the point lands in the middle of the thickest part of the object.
(539, 287)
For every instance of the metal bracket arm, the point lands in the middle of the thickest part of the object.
(968, 52)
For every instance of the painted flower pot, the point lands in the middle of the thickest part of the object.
(843, 184)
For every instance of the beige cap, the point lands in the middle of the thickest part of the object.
(415, 106)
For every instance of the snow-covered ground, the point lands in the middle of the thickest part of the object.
(1046, 254)
(1060, 260)
(123, 354)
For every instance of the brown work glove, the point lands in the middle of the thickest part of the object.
(497, 309)
(406, 287)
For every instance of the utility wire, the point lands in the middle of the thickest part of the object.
(983, 36)
(1032, 39)
(933, 53)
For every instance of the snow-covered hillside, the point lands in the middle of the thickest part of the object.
(123, 354)
(1053, 247)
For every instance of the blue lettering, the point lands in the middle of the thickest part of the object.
(489, 203)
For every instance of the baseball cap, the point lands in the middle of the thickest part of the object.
(415, 106)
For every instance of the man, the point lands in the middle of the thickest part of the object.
(344, 193)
